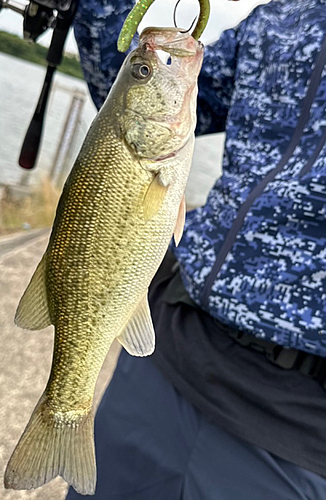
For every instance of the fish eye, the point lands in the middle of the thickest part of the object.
(140, 71)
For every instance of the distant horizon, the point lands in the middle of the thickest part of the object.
(224, 14)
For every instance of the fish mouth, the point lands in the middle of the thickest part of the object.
(173, 41)
(173, 48)
(176, 51)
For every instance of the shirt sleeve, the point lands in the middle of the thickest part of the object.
(97, 26)
(216, 83)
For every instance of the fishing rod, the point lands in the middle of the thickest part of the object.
(39, 15)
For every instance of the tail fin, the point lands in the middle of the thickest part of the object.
(48, 448)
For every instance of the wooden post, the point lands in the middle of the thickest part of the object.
(59, 166)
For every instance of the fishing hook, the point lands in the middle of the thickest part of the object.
(175, 19)
(135, 16)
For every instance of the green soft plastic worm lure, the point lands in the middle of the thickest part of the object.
(135, 16)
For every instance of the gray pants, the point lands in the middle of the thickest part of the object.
(151, 444)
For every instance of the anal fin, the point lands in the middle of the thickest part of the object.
(33, 312)
(138, 337)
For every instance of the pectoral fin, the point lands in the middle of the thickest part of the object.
(138, 338)
(154, 198)
(178, 231)
(33, 312)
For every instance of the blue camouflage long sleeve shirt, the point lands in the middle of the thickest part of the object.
(254, 256)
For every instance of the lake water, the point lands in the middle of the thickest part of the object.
(20, 85)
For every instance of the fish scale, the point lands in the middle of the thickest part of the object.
(120, 206)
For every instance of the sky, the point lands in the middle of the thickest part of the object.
(224, 14)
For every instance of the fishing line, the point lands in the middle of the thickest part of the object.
(175, 19)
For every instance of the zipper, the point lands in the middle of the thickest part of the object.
(257, 191)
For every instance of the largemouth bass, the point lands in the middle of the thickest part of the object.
(120, 206)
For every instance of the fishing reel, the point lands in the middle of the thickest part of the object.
(40, 15)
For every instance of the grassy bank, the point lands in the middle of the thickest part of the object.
(34, 211)
(15, 46)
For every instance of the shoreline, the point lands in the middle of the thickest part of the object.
(14, 46)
